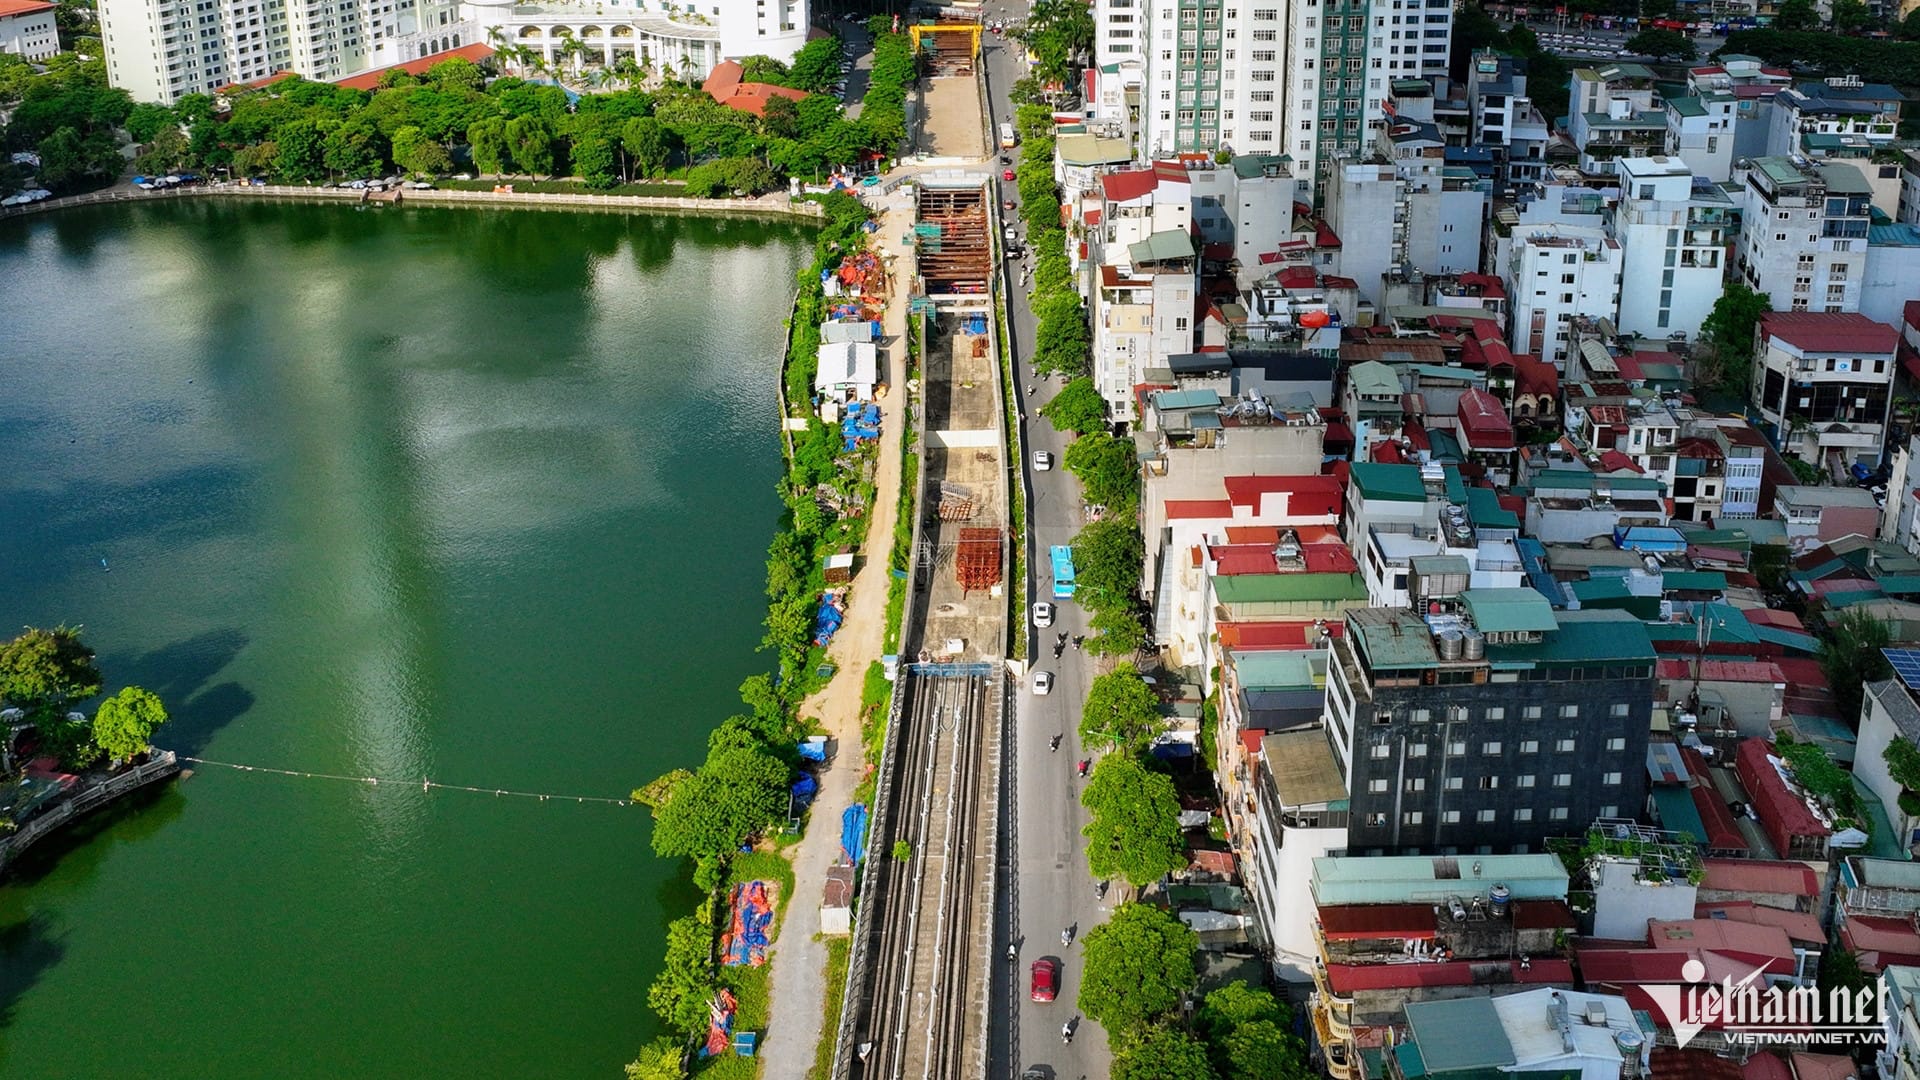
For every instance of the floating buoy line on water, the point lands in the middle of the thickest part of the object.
(425, 784)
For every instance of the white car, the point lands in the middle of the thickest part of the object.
(1043, 682)
(1042, 461)
(1043, 614)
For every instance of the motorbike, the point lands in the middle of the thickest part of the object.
(1066, 1032)
(1099, 890)
(1085, 764)
(1058, 649)
(1066, 937)
(1054, 744)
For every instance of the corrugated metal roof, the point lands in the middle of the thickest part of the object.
(1163, 246)
(1506, 611)
(1408, 879)
(1464, 1033)
(1281, 588)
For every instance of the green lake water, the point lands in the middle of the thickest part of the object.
(476, 496)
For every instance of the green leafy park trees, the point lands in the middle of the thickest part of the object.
(1162, 1052)
(1850, 657)
(1728, 332)
(125, 721)
(45, 671)
(1138, 965)
(1108, 469)
(1135, 831)
(1662, 45)
(1248, 1034)
(658, 1060)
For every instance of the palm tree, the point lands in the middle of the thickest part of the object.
(624, 69)
(645, 66)
(686, 68)
(571, 52)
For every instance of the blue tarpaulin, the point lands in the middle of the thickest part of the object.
(853, 833)
(826, 622)
(804, 789)
(813, 748)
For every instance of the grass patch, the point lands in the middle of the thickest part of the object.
(839, 951)
(564, 187)
(1016, 499)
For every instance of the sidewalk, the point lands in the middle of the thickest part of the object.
(799, 961)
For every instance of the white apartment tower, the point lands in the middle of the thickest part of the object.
(1344, 58)
(1673, 233)
(163, 50)
(1555, 273)
(1803, 232)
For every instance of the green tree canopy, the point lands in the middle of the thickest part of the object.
(658, 1060)
(47, 670)
(1162, 1052)
(530, 140)
(1903, 766)
(647, 140)
(593, 161)
(1138, 965)
(1248, 1033)
(816, 67)
(1851, 16)
(679, 993)
(1795, 15)
(1662, 45)
(147, 119)
(125, 721)
(419, 154)
(1078, 408)
(1121, 711)
(1850, 657)
(1062, 340)
(1109, 471)
(734, 795)
(1106, 561)
(1135, 831)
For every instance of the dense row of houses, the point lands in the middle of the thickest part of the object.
(1506, 622)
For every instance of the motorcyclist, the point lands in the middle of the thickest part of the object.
(1054, 744)
(1066, 1032)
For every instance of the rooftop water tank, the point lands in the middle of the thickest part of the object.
(1476, 645)
(1451, 644)
(1498, 897)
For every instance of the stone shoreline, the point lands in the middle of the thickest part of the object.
(767, 206)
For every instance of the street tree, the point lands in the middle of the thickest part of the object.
(530, 140)
(1903, 766)
(1135, 831)
(593, 161)
(1106, 561)
(1061, 341)
(816, 67)
(1234, 1004)
(1078, 408)
(1850, 657)
(1796, 15)
(44, 671)
(1137, 967)
(125, 721)
(1162, 1052)
(1262, 1050)
(1108, 469)
(1121, 711)
(419, 154)
(147, 119)
(1117, 631)
(1662, 45)
(1851, 16)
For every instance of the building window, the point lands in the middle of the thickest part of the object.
(1457, 748)
(1494, 712)
(1523, 781)
(1563, 779)
(1456, 783)
(1417, 783)
(1376, 821)
(1418, 749)
(1412, 817)
(1532, 713)
(1376, 787)
(1525, 813)
(1611, 779)
(1491, 747)
(1380, 751)
(1558, 813)
(1484, 816)
(1450, 817)
(1529, 746)
(1617, 743)
(1489, 783)
(1610, 811)
(1563, 746)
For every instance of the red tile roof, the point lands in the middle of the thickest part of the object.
(1762, 876)
(1783, 814)
(1751, 942)
(1315, 496)
(1483, 421)
(1127, 186)
(725, 87)
(1272, 636)
(1723, 833)
(1354, 922)
(1880, 940)
(1614, 461)
(1765, 1067)
(10, 8)
(1823, 1066)
(370, 80)
(1198, 508)
(1490, 286)
(1824, 331)
(1297, 277)
(1800, 926)
(1348, 978)
(1668, 1063)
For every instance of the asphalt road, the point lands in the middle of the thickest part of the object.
(1601, 46)
(1051, 889)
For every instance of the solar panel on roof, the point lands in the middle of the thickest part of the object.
(1906, 664)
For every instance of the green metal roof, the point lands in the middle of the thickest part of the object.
(1844, 179)
(1455, 374)
(1283, 588)
(1606, 587)
(1583, 637)
(1508, 611)
(1687, 106)
(1462, 1033)
(1396, 483)
(1582, 480)
(1249, 166)
(1694, 581)
(1417, 879)
(1186, 399)
(1163, 246)
(1483, 506)
(1371, 378)
(1677, 810)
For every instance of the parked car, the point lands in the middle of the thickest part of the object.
(1046, 980)
(1043, 614)
(1042, 461)
(1043, 682)
(420, 185)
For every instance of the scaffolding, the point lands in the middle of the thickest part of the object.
(953, 235)
(977, 563)
(950, 47)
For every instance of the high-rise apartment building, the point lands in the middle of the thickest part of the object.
(1341, 60)
(163, 50)
(1803, 232)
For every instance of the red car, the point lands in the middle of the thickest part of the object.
(1046, 979)
(1007, 176)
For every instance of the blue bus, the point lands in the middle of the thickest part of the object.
(1062, 571)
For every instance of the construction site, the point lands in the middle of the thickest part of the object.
(951, 125)
(953, 241)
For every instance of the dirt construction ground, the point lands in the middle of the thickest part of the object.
(952, 125)
(960, 379)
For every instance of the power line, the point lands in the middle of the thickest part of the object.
(424, 783)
